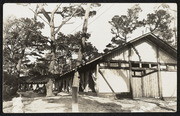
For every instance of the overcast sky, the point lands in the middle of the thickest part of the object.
(98, 25)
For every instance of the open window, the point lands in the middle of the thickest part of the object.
(104, 64)
(145, 65)
(114, 64)
(163, 67)
(136, 65)
(154, 66)
(124, 65)
(171, 67)
(137, 73)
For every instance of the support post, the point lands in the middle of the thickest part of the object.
(75, 88)
(97, 81)
(142, 86)
(159, 75)
(130, 72)
(86, 81)
(80, 58)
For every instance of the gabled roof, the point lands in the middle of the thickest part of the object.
(148, 36)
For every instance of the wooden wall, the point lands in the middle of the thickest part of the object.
(150, 85)
(136, 87)
(146, 86)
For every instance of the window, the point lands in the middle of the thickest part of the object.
(137, 73)
(145, 65)
(170, 67)
(153, 65)
(103, 64)
(163, 67)
(124, 64)
(112, 64)
(175, 67)
(135, 64)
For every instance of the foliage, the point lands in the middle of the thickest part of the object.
(20, 35)
(123, 25)
(159, 24)
(72, 43)
(39, 68)
(67, 45)
(10, 86)
(63, 46)
(67, 12)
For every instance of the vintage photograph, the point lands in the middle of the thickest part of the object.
(89, 57)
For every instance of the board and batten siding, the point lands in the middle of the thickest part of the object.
(118, 79)
(150, 85)
(136, 87)
(146, 86)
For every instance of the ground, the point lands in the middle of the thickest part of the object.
(62, 103)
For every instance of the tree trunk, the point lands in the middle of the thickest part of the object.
(80, 57)
(18, 66)
(49, 85)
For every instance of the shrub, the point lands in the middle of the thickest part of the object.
(10, 86)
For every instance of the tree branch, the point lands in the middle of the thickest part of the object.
(39, 16)
(45, 13)
(52, 21)
(37, 33)
(55, 10)
(64, 22)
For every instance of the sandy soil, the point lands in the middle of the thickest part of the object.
(62, 103)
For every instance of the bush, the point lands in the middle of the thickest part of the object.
(10, 86)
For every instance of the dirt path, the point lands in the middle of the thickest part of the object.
(60, 104)
(63, 104)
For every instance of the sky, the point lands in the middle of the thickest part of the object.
(98, 26)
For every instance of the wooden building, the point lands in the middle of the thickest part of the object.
(32, 82)
(143, 67)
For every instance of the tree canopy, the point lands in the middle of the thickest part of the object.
(158, 22)
(123, 25)
(20, 35)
